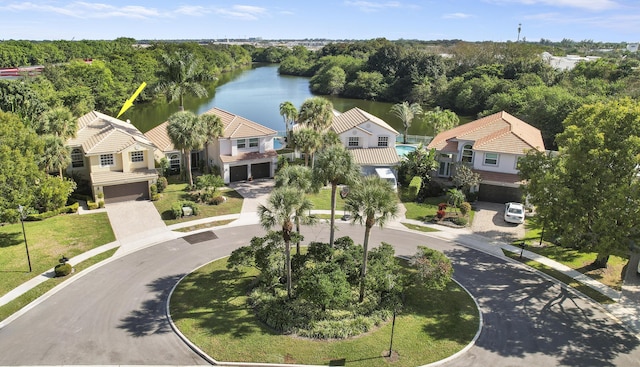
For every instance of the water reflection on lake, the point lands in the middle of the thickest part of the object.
(256, 93)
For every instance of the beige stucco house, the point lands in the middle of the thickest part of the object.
(245, 150)
(491, 146)
(114, 156)
(371, 141)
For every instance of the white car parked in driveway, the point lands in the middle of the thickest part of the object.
(514, 213)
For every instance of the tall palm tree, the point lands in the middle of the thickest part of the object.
(371, 202)
(316, 113)
(283, 206)
(307, 141)
(301, 178)
(56, 155)
(183, 74)
(213, 129)
(335, 165)
(406, 113)
(289, 113)
(58, 121)
(188, 132)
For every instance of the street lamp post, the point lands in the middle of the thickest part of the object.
(22, 217)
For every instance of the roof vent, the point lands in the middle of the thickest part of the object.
(128, 121)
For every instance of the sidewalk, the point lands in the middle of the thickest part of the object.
(626, 309)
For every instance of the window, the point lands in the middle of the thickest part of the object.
(253, 142)
(77, 158)
(174, 162)
(106, 160)
(137, 156)
(354, 141)
(467, 154)
(444, 170)
(242, 143)
(491, 159)
(383, 141)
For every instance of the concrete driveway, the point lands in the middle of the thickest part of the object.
(489, 222)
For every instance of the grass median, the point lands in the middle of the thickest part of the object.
(209, 307)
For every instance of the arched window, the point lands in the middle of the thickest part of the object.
(467, 153)
(174, 162)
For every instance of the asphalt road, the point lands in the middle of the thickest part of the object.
(116, 313)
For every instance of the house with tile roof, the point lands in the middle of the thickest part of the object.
(114, 156)
(491, 146)
(371, 141)
(244, 151)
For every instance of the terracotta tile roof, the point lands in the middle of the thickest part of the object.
(248, 156)
(160, 138)
(375, 156)
(237, 127)
(99, 134)
(500, 132)
(356, 117)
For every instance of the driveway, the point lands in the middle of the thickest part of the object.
(489, 222)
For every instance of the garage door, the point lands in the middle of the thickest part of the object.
(126, 192)
(238, 173)
(499, 194)
(261, 170)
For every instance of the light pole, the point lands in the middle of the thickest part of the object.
(22, 217)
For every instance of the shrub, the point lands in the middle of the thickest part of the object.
(62, 270)
(442, 206)
(162, 183)
(217, 200)
(440, 214)
(465, 208)
(101, 204)
(154, 189)
(100, 195)
(176, 209)
(461, 221)
(414, 188)
(472, 196)
(92, 205)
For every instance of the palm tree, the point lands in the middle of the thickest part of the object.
(56, 155)
(301, 178)
(335, 165)
(213, 129)
(284, 206)
(316, 113)
(308, 141)
(406, 112)
(372, 202)
(188, 132)
(58, 121)
(289, 113)
(183, 74)
(441, 120)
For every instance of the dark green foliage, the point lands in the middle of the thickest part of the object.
(62, 270)
(319, 252)
(324, 285)
(433, 268)
(177, 212)
(414, 188)
(162, 183)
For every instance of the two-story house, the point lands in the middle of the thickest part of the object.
(371, 141)
(114, 156)
(244, 151)
(491, 146)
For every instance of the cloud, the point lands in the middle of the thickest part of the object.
(81, 9)
(592, 5)
(243, 12)
(457, 16)
(368, 6)
(192, 10)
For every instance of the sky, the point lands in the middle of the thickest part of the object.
(469, 20)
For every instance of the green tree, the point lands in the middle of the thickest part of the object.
(335, 165)
(465, 178)
(419, 163)
(188, 132)
(433, 268)
(406, 113)
(441, 120)
(289, 114)
(328, 81)
(307, 141)
(183, 74)
(213, 129)
(56, 155)
(316, 113)
(371, 201)
(325, 285)
(283, 206)
(59, 122)
(299, 177)
(589, 194)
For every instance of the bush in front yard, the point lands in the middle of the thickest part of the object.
(162, 183)
(62, 270)
(176, 209)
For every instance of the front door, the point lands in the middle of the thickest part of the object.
(444, 170)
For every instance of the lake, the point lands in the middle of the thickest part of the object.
(256, 93)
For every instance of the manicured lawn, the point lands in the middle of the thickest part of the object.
(23, 300)
(322, 200)
(426, 210)
(210, 308)
(48, 240)
(419, 228)
(611, 276)
(175, 192)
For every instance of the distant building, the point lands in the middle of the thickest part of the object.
(632, 47)
(565, 62)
